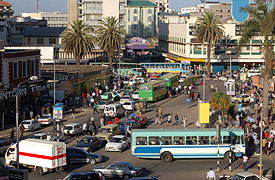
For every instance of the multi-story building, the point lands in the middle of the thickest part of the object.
(163, 5)
(5, 9)
(141, 19)
(54, 19)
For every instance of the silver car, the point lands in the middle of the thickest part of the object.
(101, 105)
(120, 169)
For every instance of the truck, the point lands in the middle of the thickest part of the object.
(40, 155)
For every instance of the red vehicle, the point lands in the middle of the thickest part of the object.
(155, 76)
(142, 120)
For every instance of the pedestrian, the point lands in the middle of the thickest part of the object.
(256, 143)
(133, 116)
(198, 96)
(95, 108)
(84, 127)
(31, 114)
(145, 104)
(116, 120)
(245, 159)
(160, 111)
(94, 125)
(12, 135)
(157, 119)
(102, 121)
(193, 96)
(169, 120)
(90, 128)
(176, 119)
(198, 124)
(126, 116)
(187, 102)
(269, 146)
(211, 175)
(48, 136)
(22, 129)
(184, 120)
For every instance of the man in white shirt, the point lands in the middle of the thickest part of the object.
(211, 175)
(48, 137)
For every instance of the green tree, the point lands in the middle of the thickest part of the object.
(220, 101)
(208, 30)
(77, 40)
(261, 23)
(110, 36)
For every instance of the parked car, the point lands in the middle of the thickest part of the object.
(144, 178)
(39, 136)
(241, 98)
(83, 175)
(246, 176)
(135, 95)
(127, 92)
(129, 105)
(118, 143)
(132, 125)
(89, 143)
(142, 120)
(31, 125)
(102, 104)
(123, 170)
(108, 131)
(76, 155)
(114, 110)
(124, 99)
(73, 129)
(46, 119)
(114, 94)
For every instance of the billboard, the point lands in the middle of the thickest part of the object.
(58, 111)
(204, 112)
(237, 14)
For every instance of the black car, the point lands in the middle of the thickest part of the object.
(83, 175)
(76, 155)
(89, 143)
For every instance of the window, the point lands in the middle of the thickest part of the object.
(15, 70)
(135, 27)
(40, 41)
(141, 140)
(149, 27)
(166, 140)
(191, 140)
(135, 19)
(24, 69)
(1, 28)
(179, 140)
(203, 140)
(52, 40)
(150, 19)
(236, 140)
(129, 29)
(33, 68)
(129, 15)
(135, 11)
(226, 139)
(29, 40)
(154, 141)
(149, 11)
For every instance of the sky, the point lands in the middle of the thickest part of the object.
(20, 6)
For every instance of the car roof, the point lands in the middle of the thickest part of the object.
(246, 174)
(121, 162)
(112, 105)
(84, 173)
(72, 124)
(119, 136)
(109, 125)
(89, 137)
(39, 134)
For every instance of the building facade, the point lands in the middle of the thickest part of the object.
(141, 19)
(5, 9)
(54, 19)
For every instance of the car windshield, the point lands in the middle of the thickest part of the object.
(85, 141)
(126, 97)
(68, 127)
(135, 92)
(44, 117)
(105, 130)
(109, 108)
(236, 177)
(127, 103)
(115, 93)
(130, 166)
(35, 137)
(26, 122)
(116, 140)
(102, 103)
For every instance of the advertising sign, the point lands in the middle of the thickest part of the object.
(237, 14)
(243, 76)
(58, 111)
(204, 112)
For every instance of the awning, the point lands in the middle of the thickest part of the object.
(179, 58)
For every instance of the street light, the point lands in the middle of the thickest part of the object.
(33, 78)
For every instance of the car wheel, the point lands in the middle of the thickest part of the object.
(129, 146)
(120, 150)
(92, 161)
(126, 177)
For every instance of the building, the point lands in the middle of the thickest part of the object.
(188, 10)
(54, 19)
(72, 9)
(5, 9)
(141, 19)
(162, 5)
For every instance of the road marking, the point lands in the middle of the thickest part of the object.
(271, 160)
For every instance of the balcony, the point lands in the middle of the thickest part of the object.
(92, 11)
(92, 22)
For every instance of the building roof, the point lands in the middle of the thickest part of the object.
(73, 69)
(4, 3)
(43, 31)
(140, 3)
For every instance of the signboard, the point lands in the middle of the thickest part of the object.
(243, 76)
(204, 112)
(18, 174)
(58, 111)
(237, 14)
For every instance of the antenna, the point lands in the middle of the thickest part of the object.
(37, 6)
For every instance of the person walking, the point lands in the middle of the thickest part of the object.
(169, 120)
(84, 127)
(94, 125)
(12, 135)
(157, 119)
(145, 104)
(160, 111)
(187, 102)
(184, 120)
(176, 119)
(102, 121)
(95, 108)
(245, 159)
(116, 120)
(22, 129)
(211, 175)
(48, 136)
(198, 124)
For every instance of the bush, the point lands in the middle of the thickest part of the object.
(190, 81)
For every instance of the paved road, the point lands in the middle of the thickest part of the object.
(178, 169)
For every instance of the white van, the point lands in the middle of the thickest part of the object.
(253, 72)
(114, 110)
(136, 81)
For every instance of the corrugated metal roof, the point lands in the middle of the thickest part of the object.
(140, 3)
(43, 31)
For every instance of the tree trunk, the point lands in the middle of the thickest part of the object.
(110, 60)
(77, 61)
(208, 60)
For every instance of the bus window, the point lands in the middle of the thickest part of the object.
(236, 140)
(145, 88)
(179, 140)
(141, 140)
(226, 139)
(154, 141)
(203, 140)
(191, 140)
(214, 140)
(166, 140)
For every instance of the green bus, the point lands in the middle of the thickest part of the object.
(172, 80)
(152, 91)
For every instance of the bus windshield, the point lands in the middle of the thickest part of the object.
(145, 88)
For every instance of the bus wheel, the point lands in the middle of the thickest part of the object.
(167, 157)
(227, 156)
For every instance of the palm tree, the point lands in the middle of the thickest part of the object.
(77, 40)
(209, 30)
(261, 23)
(110, 36)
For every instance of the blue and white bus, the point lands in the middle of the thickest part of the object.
(167, 144)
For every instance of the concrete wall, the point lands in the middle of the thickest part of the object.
(110, 8)
(72, 11)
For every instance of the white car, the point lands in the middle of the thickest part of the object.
(246, 176)
(31, 125)
(118, 143)
(135, 95)
(124, 99)
(73, 129)
(129, 105)
(46, 119)
(241, 98)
